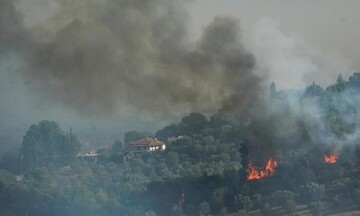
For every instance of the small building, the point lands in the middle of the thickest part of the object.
(146, 144)
(89, 156)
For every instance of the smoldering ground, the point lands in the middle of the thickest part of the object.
(100, 56)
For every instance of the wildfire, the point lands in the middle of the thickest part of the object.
(331, 159)
(258, 173)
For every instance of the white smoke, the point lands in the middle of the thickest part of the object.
(289, 61)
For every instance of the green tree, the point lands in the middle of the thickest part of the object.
(134, 135)
(117, 147)
(247, 203)
(173, 159)
(177, 210)
(205, 208)
(244, 201)
(265, 209)
(313, 90)
(168, 131)
(45, 144)
(286, 199)
(193, 123)
(316, 193)
(101, 197)
(117, 151)
(354, 80)
(219, 195)
(357, 196)
(340, 83)
(223, 211)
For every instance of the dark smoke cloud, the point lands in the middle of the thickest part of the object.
(132, 53)
(12, 34)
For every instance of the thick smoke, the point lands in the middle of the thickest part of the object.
(106, 55)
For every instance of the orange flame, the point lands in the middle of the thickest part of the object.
(258, 173)
(331, 159)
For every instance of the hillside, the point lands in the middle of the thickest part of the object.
(290, 153)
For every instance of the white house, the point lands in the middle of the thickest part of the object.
(146, 144)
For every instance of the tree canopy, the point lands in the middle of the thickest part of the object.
(46, 144)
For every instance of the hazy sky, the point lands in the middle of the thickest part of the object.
(317, 35)
(295, 42)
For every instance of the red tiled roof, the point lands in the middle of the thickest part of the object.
(147, 141)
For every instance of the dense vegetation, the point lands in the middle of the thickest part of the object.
(204, 167)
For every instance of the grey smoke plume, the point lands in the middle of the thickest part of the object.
(287, 56)
(99, 56)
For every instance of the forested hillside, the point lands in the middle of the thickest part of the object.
(286, 151)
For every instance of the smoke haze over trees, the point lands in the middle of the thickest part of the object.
(239, 145)
(47, 67)
(205, 165)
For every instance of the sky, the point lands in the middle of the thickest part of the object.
(294, 43)
(317, 35)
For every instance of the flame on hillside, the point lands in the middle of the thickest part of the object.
(254, 172)
(331, 159)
